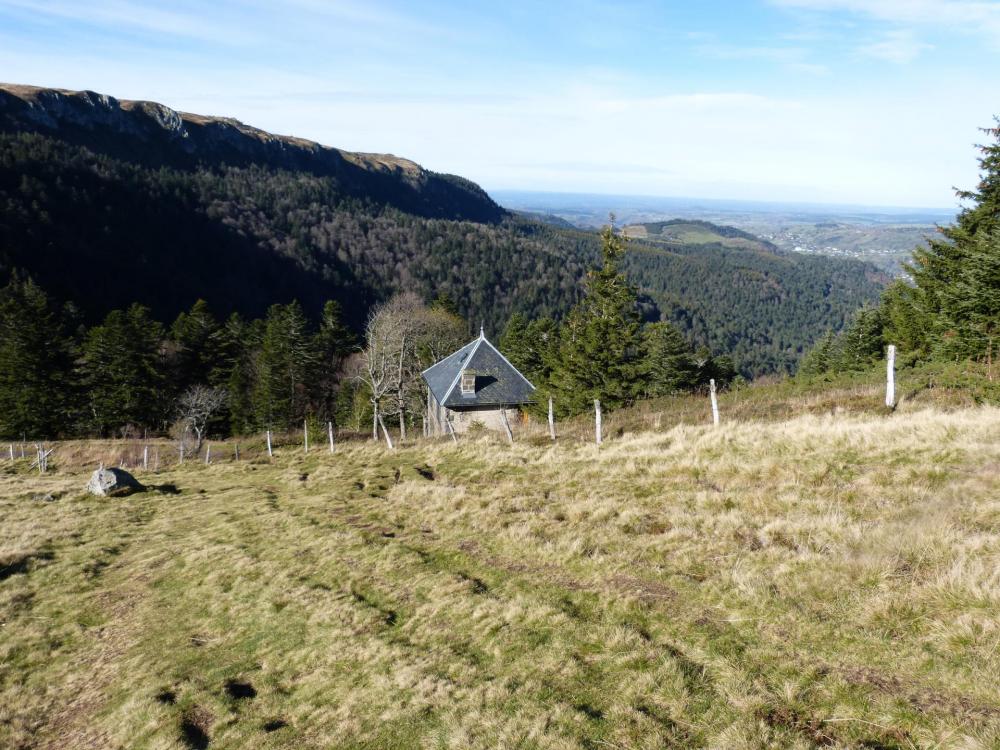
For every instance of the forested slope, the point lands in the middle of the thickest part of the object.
(106, 203)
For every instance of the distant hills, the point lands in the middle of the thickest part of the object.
(107, 202)
(679, 232)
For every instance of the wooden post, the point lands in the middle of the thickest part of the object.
(270, 453)
(890, 377)
(329, 433)
(12, 453)
(552, 422)
(715, 402)
(22, 450)
(145, 458)
(388, 440)
(208, 453)
(305, 435)
(182, 449)
(506, 425)
(597, 420)
(237, 451)
(156, 460)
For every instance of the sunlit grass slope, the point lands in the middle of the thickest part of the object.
(828, 580)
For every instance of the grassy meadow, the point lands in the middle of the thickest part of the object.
(814, 580)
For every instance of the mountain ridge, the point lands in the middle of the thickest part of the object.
(155, 135)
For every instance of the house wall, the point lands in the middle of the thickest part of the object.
(461, 421)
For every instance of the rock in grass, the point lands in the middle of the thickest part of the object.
(113, 483)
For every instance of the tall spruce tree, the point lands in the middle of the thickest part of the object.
(334, 342)
(670, 363)
(34, 363)
(121, 371)
(601, 351)
(940, 271)
(285, 367)
(194, 338)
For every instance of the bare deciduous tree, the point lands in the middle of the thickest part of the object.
(196, 406)
(402, 338)
(383, 336)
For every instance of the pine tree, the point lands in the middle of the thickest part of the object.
(971, 304)
(601, 348)
(819, 359)
(193, 335)
(862, 342)
(939, 269)
(333, 343)
(284, 368)
(34, 363)
(122, 371)
(670, 364)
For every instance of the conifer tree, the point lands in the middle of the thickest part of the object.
(670, 363)
(34, 363)
(939, 269)
(334, 342)
(819, 359)
(121, 371)
(601, 347)
(193, 335)
(286, 362)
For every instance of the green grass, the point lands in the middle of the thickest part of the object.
(824, 580)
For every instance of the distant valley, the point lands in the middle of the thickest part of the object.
(885, 237)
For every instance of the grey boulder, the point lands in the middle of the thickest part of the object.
(113, 483)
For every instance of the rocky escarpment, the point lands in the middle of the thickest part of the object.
(155, 135)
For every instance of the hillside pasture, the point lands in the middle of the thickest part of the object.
(824, 580)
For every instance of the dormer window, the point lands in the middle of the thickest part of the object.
(468, 382)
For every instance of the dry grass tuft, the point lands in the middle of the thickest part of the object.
(824, 580)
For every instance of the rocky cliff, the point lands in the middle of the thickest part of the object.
(155, 135)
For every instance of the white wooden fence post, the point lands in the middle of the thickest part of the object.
(305, 435)
(329, 432)
(388, 440)
(182, 449)
(12, 453)
(597, 420)
(208, 453)
(270, 453)
(890, 377)
(145, 458)
(715, 402)
(552, 421)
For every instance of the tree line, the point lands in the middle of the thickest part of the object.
(201, 375)
(949, 307)
(244, 237)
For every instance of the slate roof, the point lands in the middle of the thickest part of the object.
(498, 383)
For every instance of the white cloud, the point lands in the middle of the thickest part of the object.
(973, 16)
(899, 46)
(136, 16)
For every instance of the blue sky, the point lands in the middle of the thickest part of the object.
(851, 101)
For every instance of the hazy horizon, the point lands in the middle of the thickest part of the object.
(874, 102)
(720, 202)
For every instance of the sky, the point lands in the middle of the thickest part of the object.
(871, 102)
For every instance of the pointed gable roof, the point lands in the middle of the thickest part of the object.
(498, 382)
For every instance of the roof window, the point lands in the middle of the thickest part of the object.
(468, 382)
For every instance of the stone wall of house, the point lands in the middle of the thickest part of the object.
(462, 421)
